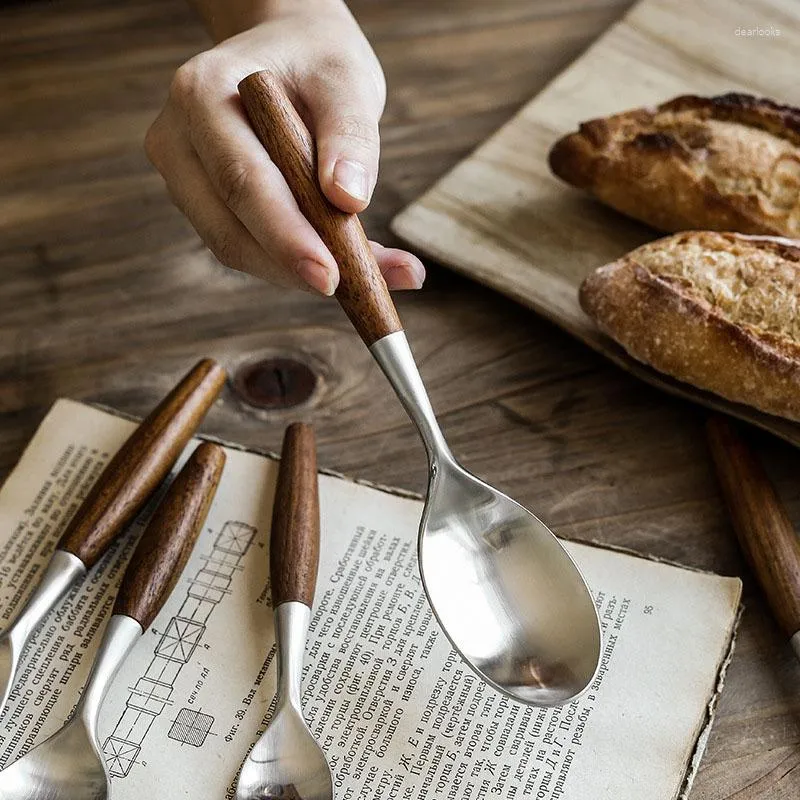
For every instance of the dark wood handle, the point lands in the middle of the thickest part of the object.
(168, 540)
(294, 541)
(362, 291)
(760, 520)
(142, 463)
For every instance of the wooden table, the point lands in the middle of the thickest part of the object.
(108, 296)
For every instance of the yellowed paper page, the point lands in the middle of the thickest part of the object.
(396, 711)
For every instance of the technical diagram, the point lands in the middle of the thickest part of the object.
(191, 727)
(183, 634)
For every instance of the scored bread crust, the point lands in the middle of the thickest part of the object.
(669, 318)
(730, 162)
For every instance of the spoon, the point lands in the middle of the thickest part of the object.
(70, 765)
(504, 590)
(286, 763)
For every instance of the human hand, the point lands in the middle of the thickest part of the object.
(220, 176)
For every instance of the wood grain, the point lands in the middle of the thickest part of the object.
(294, 537)
(168, 539)
(503, 219)
(362, 291)
(760, 520)
(141, 463)
(107, 294)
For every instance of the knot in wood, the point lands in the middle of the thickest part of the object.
(275, 383)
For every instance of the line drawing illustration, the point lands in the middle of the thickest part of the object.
(191, 727)
(151, 694)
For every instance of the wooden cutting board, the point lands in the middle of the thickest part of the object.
(501, 218)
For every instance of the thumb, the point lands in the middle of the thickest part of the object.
(348, 144)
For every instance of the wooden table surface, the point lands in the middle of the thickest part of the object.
(108, 296)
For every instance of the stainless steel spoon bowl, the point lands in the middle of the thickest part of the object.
(286, 763)
(506, 593)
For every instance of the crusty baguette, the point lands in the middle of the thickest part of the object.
(727, 163)
(717, 310)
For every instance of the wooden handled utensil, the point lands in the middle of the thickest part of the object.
(286, 761)
(70, 764)
(362, 291)
(122, 489)
(294, 537)
(166, 545)
(482, 556)
(761, 523)
(142, 463)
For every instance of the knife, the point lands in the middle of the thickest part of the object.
(119, 494)
(762, 525)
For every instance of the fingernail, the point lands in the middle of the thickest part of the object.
(316, 276)
(407, 276)
(352, 178)
(419, 272)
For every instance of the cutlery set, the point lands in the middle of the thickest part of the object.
(503, 589)
(286, 761)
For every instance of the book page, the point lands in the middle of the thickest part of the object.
(397, 712)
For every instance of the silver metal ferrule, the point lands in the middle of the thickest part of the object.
(795, 642)
(291, 631)
(397, 362)
(120, 636)
(62, 571)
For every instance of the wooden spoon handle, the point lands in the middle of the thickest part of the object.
(141, 463)
(294, 541)
(760, 520)
(362, 291)
(168, 540)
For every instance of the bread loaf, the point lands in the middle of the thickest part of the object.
(722, 163)
(717, 310)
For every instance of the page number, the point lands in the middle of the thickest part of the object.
(648, 609)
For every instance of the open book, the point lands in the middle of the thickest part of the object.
(396, 711)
